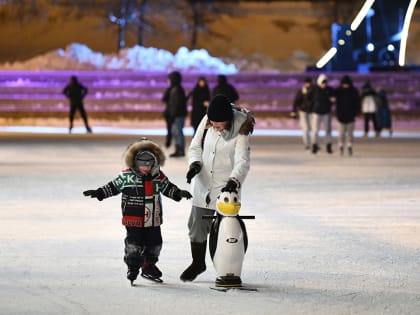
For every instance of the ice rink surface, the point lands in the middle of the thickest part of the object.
(333, 234)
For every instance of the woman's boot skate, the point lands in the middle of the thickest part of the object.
(198, 265)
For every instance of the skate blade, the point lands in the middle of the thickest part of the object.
(238, 288)
(157, 280)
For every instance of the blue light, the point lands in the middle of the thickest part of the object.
(370, 47)
(370, 13)
(390, 47)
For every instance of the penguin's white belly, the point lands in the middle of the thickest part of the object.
(230, 249)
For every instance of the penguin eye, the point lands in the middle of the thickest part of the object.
(226, 199)
(235, 199)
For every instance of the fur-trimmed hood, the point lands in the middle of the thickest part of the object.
(243, 123)
(248, 126)
(144, 144)
(321, 78)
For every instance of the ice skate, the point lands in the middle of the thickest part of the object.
(151, 272)
(192, 272)
(198, 265)
(179, 152)
(329, 148)
(132, 275)
(315, 148)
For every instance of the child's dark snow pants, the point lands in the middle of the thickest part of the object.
(142, 245)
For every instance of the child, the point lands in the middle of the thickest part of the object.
(141, 184)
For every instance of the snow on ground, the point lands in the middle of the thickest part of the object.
(332, 235)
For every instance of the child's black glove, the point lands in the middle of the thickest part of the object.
(231, 186)
(194, 169)
(98, 194)
(182, 194)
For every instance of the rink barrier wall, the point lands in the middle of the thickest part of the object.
(129, 94)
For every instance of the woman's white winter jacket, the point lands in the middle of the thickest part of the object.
(223, 155)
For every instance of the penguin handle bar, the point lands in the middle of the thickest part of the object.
(244, 217)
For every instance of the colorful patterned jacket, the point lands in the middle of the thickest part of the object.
(141, 202)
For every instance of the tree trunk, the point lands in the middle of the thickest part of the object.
(140, 28)
(121, 35)
(196, 22)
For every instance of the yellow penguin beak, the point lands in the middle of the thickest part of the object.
(229, 209)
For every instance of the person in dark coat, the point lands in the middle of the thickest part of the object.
(200, 100)
(302, 109)
(166, 116)
(176, 111)
(76, 92)
(321, 97)
(384, 116)
(347, 107)
(225, 88)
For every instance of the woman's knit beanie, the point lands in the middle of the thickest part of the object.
(220, 109)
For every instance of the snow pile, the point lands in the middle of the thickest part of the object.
(80, 57)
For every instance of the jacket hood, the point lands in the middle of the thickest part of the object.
(367, 86)
(321, 78)
(221, 79)
(243, 123)
(144, 145)
(346, 80)
(175, 78)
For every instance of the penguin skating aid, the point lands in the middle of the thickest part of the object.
(228, 242)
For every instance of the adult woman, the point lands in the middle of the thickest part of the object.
(219, 157)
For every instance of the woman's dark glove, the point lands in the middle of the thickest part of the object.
(182, 194)
(194, 169)
(98, 194)
(231, 186)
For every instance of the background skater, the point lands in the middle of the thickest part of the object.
(322, 98)
(76, 92)
(200, 101)
(302, 109)
(175, 113)
(347, 107)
